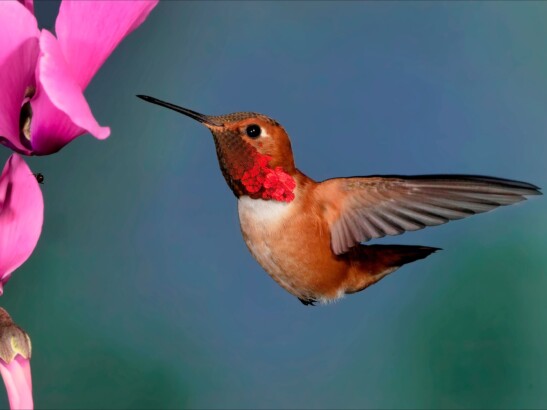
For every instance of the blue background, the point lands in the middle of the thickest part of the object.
(141, 292)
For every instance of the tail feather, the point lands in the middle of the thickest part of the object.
(397, 255)
(373, 262)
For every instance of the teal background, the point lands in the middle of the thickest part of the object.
(141, 292)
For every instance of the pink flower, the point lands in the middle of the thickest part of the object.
(29, 4)
(42, 77)
(21, 216)
(15, 352)
(18, 381)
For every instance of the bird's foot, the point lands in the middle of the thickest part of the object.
(307, 302)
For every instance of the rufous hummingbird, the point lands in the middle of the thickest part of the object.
(308, 235)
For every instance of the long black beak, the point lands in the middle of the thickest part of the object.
(204, 119)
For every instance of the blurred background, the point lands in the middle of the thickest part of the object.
(141, 292)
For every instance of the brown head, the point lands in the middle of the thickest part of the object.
(254, 152)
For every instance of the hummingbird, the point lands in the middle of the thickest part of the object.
(308, 235)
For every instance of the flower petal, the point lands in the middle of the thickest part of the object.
(21, 216)
(29, 4)
(88, 31)
(18, 381)
(18, 54)
(60, 110)
(17, 25)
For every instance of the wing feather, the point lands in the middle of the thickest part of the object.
(375, 206)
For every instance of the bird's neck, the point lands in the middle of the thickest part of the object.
(254, 175)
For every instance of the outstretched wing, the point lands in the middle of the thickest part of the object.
(363, 208)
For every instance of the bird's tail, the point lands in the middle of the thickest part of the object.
(373, 262)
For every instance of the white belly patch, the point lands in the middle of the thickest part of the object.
(260, 211)
(261, 224)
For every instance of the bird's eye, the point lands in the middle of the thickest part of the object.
(253, 131)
